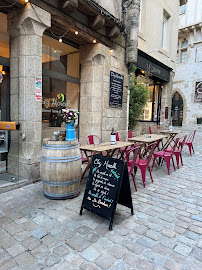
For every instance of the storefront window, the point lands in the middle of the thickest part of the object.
(152, 108)
(60, 83)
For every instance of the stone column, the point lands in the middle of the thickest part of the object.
(92, 58)
(26, 28)
(132, 29)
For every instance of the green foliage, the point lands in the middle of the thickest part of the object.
(138, 100)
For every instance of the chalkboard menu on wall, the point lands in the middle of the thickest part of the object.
(116, 89)
(107, 185)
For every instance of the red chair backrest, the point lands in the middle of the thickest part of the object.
(130, 135)
(151, 146)
(149, 149)
(191, 136)
(150, 131)
(90, 139)
(174, 146)
(181, 142)
(118, 138)
(136, 152)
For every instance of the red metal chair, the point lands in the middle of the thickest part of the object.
(131, 133)
(92, 138)
(131, 163)
(143, 164)
(189, 141)
(167, 156)
(118, 136)
(178, 150)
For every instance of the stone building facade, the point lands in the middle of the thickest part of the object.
(157, 41)
(57, 56)
(187, 87)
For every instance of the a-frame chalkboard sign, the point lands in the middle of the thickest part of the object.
(107, 185)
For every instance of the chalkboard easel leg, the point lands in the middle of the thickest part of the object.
(132, 212)
(81, 210)
(110, 224)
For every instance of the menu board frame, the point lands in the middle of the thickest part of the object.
(107, 185)
(116, 89)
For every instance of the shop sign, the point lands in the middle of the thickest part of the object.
(108, 184)
(3, 166)
(38, 87)
(152, 66)
(116, 90)
(198, 92)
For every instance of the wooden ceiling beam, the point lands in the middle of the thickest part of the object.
(96, 22)
(67, 20)
(84, 32)
(69, 5)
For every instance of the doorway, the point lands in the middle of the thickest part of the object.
(177, 109)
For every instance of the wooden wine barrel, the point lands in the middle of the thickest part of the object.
(60, 169)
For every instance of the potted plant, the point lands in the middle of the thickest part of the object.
(69, 119)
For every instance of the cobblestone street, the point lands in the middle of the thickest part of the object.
(164, 233)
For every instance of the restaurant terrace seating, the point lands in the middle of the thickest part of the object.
(167, 156)
(189, 141)
(178, 150)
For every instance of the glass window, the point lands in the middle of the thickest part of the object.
(184, 56)
(164, 32)
(177, 58)
(153, 90)
(60, 64)
(185, 44)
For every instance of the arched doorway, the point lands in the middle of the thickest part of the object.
(177, 109)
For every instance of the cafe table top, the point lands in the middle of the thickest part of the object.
(166, 131)
(106, 146)
(147, 138)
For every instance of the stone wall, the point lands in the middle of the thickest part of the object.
(26, 29)
(96, 117)
(187, 74)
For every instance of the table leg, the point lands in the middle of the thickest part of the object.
(89, 158)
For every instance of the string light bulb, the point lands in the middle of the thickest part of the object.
(94, 41)
(111, 50)
(76, 32)
(26, 1)
(60, 39)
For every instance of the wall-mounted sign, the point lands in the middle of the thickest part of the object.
(153, 66)
(198, 92)
(3, 166)
(116, 90)
(107, 185)
(38, 87)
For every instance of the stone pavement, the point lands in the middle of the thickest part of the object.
(164, 233)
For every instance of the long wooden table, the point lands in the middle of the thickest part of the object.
(106, 147)
(170, 136)
(147, 138)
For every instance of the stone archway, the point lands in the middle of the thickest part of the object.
(177, 109)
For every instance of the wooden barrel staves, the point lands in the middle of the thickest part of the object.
(60, 169)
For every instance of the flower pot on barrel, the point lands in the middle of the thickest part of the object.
(61, 164)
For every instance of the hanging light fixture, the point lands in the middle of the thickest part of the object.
(60, 39)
